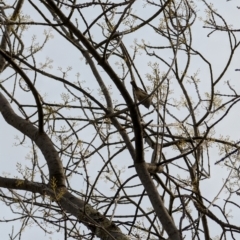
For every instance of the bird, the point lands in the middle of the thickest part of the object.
(141, 95)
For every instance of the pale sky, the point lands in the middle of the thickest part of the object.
(215, 48)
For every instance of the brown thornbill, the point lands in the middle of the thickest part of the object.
(141, 95)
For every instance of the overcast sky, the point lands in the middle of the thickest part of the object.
(215, 48)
